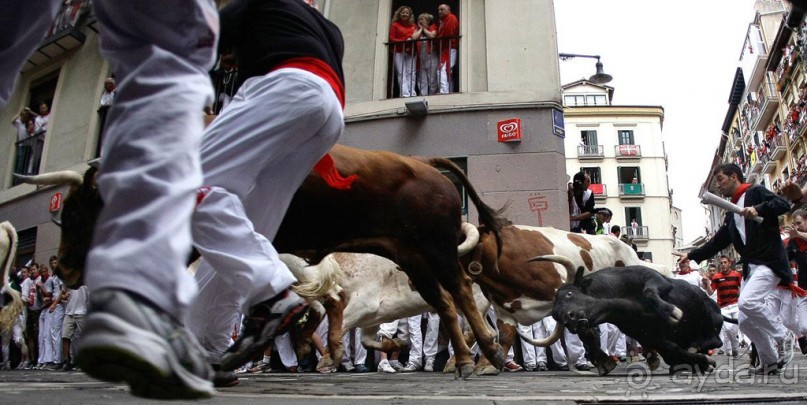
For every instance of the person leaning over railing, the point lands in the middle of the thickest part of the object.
(402, 33)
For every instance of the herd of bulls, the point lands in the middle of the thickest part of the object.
(404, 250)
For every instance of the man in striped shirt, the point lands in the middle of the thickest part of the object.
(727, 284)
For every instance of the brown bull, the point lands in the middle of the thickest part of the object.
(400, 208)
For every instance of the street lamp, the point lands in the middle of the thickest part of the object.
(598, 78)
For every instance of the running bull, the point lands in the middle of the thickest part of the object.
(401, 208)
(668, 317)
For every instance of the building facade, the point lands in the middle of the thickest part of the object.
(501, 120)
(765, 126)
(621, 149)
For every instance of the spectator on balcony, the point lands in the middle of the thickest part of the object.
(110, 91)
(581, 204)
(449, 27)
(402, 35)
(24, 123)
(41, 120)
(634, 181)
(634, 227)
(428, 60)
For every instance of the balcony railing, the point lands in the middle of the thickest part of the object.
(627, 151)
(631, 190)
(769, 103)
(62, 36)
(588, 152)
(421, 67)
(29, 155)
(777, 147)
(637, 233)
(599, 190)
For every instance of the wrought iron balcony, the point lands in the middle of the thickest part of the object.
(590, 152)
(640, 233)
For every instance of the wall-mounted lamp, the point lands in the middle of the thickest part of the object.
(598, 78)
(419, 107)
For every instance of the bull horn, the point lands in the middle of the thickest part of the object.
(471, 239)
(556, 334)
(65, 177)
(562, 260)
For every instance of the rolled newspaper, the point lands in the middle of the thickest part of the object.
(711, 199)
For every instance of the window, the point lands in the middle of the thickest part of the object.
(589, 138)
(463, 164)
(29, 150)
(26, 246)
(625, 137)
(419, 70)
(593, 173)
(596, 99)
(632, 213)
(625, 175)
(578, 100)
(645, 256)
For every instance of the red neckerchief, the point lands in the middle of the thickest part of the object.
(739, 193)
(801, 244)
(682, 272)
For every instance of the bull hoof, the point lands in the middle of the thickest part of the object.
(498, 359)
(326, 365)
(676, 316)
(487, 370)
(653, 362)
(450, 367)
(605, 368)
(464, 371)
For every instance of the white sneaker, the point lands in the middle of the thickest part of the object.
(410, 368)
(385, 367)
(429, 365)
(396, 365)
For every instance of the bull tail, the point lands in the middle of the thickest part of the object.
(556, 334)
(490, 218)
(12, 308)
(319, 281)
(730, 320)
(563, 261)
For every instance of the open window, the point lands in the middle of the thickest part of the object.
(30, 144)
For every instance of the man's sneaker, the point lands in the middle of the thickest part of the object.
(530, 367)
(223, 378)
(582, 367)
(770, 369)
(128, 339)
(396, 365)
(266, 320)
(361, 368)
(348, 367)
(385, 367)
(410, 368)
(260, 367)
(429, 367)
(542, 366)
(512, 366)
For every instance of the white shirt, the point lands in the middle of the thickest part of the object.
(576, 210)
(22, 130)
(77, 303)
(739, 220)
(693, 277)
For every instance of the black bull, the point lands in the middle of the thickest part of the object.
(666, 316)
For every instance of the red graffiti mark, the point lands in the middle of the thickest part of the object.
(538, 203)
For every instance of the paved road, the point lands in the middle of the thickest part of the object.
(628, 383)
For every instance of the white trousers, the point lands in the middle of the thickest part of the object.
(10, 336)
(757, 321)
(43, 340)
(56, 320)
(728, 334)
(254, 156)
(22, 32)
(430, 338)
(355, 353)
(534, 354)
(405, 71)
(415, 335)
(612, 340)
(427, 73)
(444, 74)
(574, 348)
(792, 310)
(160, 53)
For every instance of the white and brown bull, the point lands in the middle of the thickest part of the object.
(358, 290)
(401, 208)
(522, 291)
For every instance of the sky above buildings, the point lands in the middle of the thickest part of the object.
(680, 55)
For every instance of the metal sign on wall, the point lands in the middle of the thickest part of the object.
(55, 202)
(558, 125)
(509, 130)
